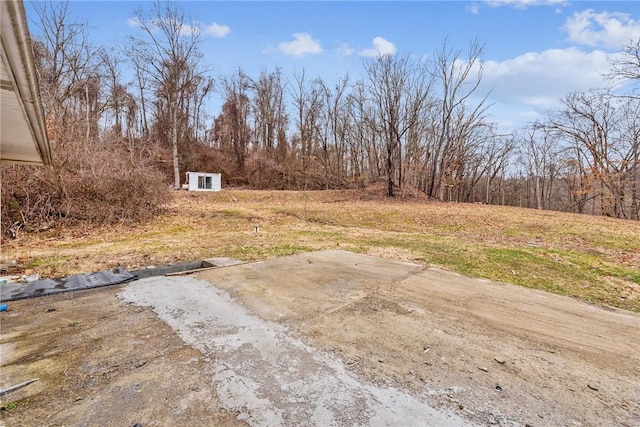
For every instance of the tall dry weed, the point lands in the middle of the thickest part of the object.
(93, 183)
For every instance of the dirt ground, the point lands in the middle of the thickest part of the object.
(100, 362)
(493, 354)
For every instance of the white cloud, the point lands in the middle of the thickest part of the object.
(510, 117)
(541, 79)
(216, 30)
(473, 8)
(530, 115)
(605, 29)
(187, 30)
(381, 47)
(301, 44)
(134, 22)
(527, 86)
(523, 4)
(345, 50)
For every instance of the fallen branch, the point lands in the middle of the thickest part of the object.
(13, 388)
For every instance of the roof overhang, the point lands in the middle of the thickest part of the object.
(23, 135)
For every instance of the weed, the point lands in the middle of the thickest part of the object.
(9, 406)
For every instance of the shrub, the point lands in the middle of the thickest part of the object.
(92, 183)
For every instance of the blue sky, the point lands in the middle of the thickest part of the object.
(536, 51)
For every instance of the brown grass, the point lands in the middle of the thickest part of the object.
(596, 259)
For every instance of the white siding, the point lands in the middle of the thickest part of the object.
(203, 181)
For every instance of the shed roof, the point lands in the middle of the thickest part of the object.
(23, 135)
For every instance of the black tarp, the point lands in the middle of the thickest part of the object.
(76, 282)
(16, 291)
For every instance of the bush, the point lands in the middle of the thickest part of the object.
(93, 183)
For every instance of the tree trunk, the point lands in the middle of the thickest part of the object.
(174, 144)
(390, 170)
(538, 193)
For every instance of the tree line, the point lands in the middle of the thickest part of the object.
(417, 125)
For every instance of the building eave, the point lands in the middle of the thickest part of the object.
(23, 134)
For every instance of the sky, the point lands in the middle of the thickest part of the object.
(536, 51)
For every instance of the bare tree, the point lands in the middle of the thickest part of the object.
(399, 89)
(630, 154)
(269, 113)
(168, 54)
(627, 66)
(537, 154)
(603, 131)
(231, 128)
(458, 80)
(364, 143)
(66, 61)
(334, 126)
(141, 82)
(308, 103)
(496, 158)
(117, 91)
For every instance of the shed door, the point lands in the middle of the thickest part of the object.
(205, 183)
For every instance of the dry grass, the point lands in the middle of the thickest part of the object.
(592, 258)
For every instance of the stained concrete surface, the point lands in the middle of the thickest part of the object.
(268, 376)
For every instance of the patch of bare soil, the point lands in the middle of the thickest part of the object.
(487, 364)
(100, 363)
(378, 189)
(496, 354)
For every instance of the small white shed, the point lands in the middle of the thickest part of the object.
(203, 181)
